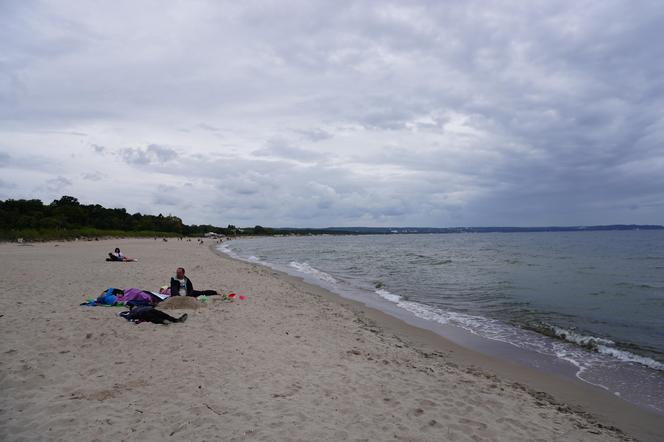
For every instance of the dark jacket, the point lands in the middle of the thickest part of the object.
(175, 287)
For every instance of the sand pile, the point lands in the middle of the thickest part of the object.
(181, 302)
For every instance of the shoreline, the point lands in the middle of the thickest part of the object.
(292, 361)
(624, 377)
(564, 391)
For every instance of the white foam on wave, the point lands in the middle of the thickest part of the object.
(581, 367)
(479, 325)
(226, 248)
(304, 267)
(577, 338)
(387, 295)
(626, 356)
(605, 347)
(499, 331)
(495, 330)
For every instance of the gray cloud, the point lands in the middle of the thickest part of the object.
(315, 134)
(166, 196)
(93, 176)
(208, 127)
(151, 154)
(377, 113)
(57, 184)
(281, 148)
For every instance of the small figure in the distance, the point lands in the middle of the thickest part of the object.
(117, 255)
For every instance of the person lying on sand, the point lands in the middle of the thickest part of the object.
(150, 314)
(182, 286)
(113, 296)
(117, 255)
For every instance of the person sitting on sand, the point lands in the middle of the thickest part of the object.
(117, 255)
(182, 286)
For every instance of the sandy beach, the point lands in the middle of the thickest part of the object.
(289, 362)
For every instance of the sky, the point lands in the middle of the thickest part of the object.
(334, 113)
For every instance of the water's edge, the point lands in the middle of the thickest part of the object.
(472, 333)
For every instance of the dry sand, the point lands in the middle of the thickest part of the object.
(291, 362)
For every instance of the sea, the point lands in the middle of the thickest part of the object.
(586, 304)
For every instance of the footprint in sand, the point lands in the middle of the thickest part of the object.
(427, 403)
(472, 423)
(417, 412)
(292, 390)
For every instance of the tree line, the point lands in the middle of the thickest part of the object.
(67, 217)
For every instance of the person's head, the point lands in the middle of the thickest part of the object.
(117, 250)
(179, 272)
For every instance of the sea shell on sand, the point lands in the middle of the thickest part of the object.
(181, 302)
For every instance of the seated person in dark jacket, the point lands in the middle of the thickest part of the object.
(182, 286)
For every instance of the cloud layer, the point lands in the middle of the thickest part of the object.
(338, 113)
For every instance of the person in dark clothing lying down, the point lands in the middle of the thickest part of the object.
(150, 314)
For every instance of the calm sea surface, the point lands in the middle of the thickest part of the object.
(593, 299)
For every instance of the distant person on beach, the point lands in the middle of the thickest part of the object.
(182, 286)
(117, 255)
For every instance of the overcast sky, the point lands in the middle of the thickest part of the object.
(441, 113)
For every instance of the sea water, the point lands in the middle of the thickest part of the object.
(591, 300)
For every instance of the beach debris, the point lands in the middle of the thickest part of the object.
(232, 297)
(218, 413)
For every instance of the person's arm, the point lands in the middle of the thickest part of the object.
(190, 287)
(175, 287)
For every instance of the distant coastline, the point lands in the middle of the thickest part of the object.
(416, 230)
(67, 218)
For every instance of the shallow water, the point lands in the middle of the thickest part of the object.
(593, 299)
